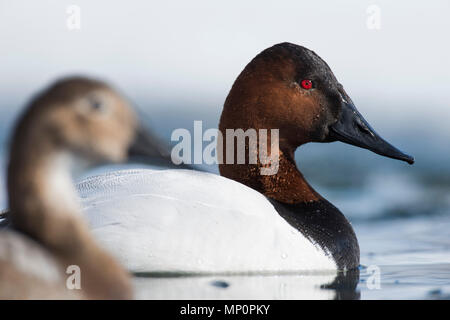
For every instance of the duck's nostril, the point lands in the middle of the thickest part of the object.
(362, 126)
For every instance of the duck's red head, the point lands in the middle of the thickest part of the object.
(290, 88)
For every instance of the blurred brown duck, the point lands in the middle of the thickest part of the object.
(75, 124)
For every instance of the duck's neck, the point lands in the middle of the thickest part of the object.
(287, 185)
(44, 206)
(301, 206)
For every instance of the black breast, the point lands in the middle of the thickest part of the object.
(323, 224)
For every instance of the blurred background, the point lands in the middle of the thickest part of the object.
(177, 61)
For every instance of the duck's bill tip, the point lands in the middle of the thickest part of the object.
(398, 155)
(145, 145)
(409, 159)
(353, 129)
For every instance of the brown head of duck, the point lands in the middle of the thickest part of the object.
(290, 88)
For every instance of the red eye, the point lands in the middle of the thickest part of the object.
(306, 84)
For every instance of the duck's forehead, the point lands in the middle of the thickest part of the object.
(70, 89)
(305, 62)
(309, 63)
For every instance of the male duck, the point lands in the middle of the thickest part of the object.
(188, 221)
(76, 123)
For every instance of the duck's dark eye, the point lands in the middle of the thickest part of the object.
(306, 84)
(96, 104)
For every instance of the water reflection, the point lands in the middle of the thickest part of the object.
(286, 286)
(345, 285)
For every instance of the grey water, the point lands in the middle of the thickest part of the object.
(401, 215)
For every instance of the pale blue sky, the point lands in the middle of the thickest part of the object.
(181, 57)
(184, 55)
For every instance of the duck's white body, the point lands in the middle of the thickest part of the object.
(193, 222)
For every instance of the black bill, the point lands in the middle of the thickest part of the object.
(353, 129)
(147, 145)
(147, 148)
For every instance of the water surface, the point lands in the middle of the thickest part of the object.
(401, 215)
